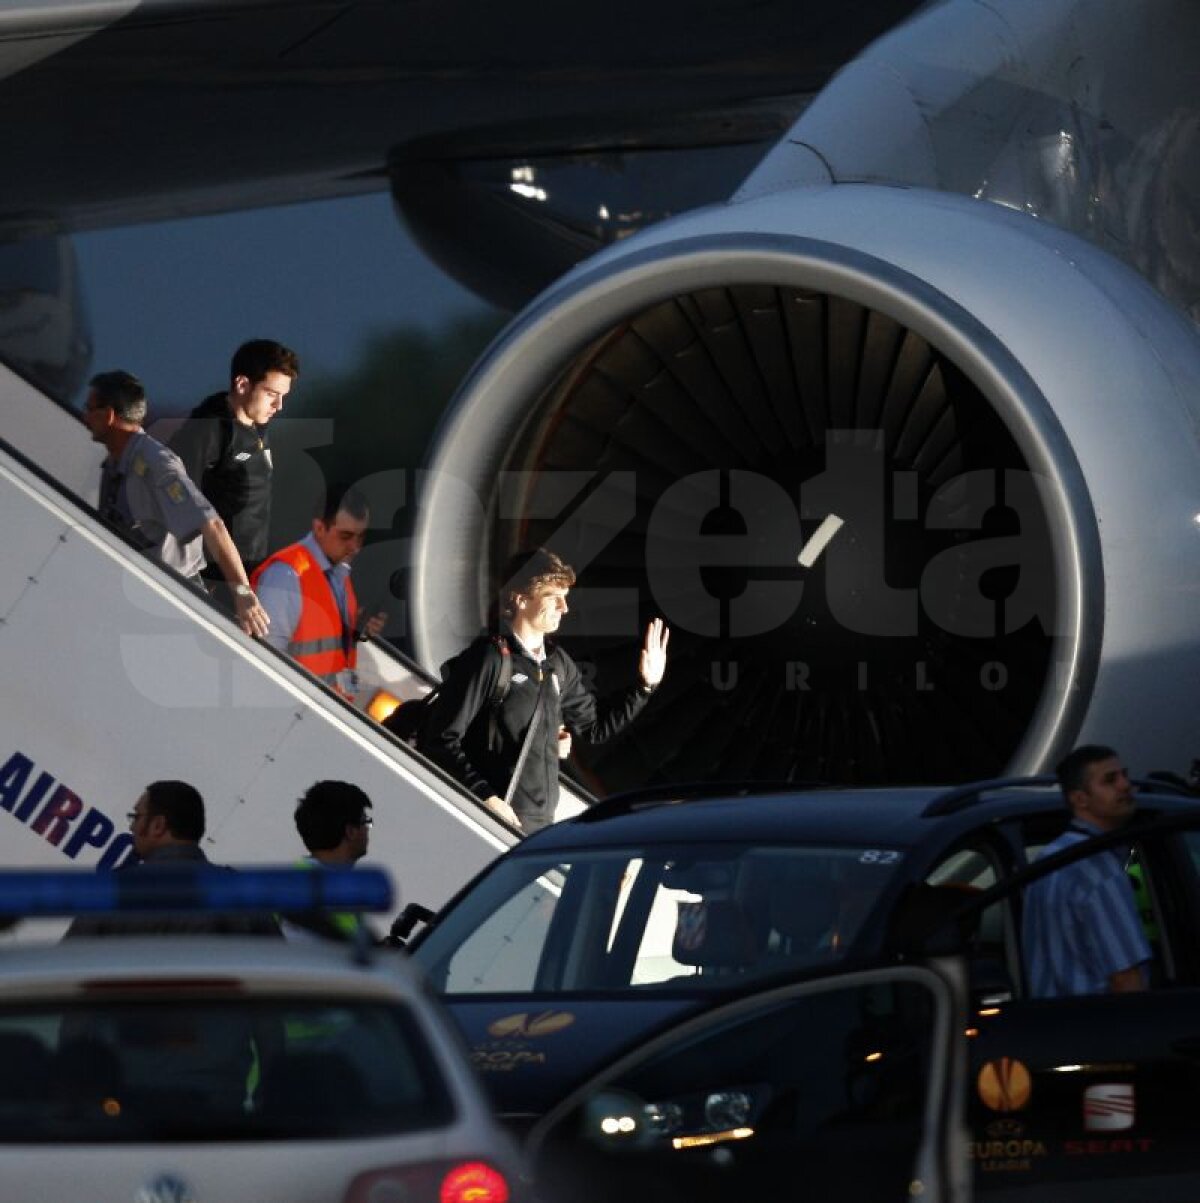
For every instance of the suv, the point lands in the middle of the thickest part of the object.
(688, 995)
(230, 1068)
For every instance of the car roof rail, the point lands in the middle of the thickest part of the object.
(1169, 783)
(959, 797)
(647, 796)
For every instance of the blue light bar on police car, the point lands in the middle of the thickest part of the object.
(29, 893)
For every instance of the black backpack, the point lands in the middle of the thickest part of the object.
(410, 719)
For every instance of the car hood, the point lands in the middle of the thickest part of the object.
(531, 1051)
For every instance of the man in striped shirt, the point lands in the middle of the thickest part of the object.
(1081, 929)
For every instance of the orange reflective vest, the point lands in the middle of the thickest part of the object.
(322, 641)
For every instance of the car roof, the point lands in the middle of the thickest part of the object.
(259, 965)
(888, 816)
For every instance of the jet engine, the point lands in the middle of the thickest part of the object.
(914, 479)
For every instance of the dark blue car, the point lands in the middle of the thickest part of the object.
(712, 997)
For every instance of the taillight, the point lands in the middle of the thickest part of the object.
(474, 1182)
(431, 1182)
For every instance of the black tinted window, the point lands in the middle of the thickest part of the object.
(197, 1070)
(672, 916)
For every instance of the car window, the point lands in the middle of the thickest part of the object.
(786, 1090)
(131, 1071)
(991, 934)
(676, 916)
(966, 867)
(501, 953)
(1191, 842)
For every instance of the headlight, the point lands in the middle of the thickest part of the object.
(616, 1118)
(728, 1108)
(663, 1119)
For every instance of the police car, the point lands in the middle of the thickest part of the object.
(225, 1069)
(712, 997)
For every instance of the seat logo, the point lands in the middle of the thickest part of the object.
(166, 1188)
(1108, 1107)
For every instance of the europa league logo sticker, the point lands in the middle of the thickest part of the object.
(1004, 1085)
(546, 1023)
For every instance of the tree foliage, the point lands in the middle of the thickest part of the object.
(386, 407)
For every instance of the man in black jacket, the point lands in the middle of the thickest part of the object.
(166, 826)
(226, 451)
(482, 750)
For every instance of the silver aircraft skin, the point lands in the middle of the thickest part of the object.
(947, 294)
(955, 305)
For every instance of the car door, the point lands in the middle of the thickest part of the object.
(846, 1086)
(1093, 1097)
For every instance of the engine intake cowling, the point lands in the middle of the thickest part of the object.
(1003, 417)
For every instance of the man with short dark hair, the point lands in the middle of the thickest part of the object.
(166, 825)
(146, 493)
(167, 822)
(485, 756)
(225, 447)
(309, 597)
(334, 821)
(1081, 929)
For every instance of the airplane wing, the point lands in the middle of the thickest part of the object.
(133, 110)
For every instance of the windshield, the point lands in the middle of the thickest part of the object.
(674, 917)
(186, 1070)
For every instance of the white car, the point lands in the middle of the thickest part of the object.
(226, 1069)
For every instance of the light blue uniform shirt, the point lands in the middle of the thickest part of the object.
(149, 494)
(278, 591)
(1080, 924)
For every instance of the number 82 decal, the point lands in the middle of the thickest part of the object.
(879, 856)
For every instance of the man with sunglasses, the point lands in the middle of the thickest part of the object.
(334, 821)
(166, 825)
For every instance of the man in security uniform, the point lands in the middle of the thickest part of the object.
(307, 592)
(146, 494)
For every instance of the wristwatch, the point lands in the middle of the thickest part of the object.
(243, 591)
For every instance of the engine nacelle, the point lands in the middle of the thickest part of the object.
(1005, 418)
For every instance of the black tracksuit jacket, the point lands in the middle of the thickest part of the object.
(483, 754)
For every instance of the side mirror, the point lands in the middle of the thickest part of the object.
(403, 924)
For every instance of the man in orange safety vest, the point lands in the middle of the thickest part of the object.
(306, 590)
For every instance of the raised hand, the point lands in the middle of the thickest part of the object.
(652, 662)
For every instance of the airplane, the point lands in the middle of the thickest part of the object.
(857, 340)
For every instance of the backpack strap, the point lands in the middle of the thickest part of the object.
(500, 689)
(504, 677)
(539, 711)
